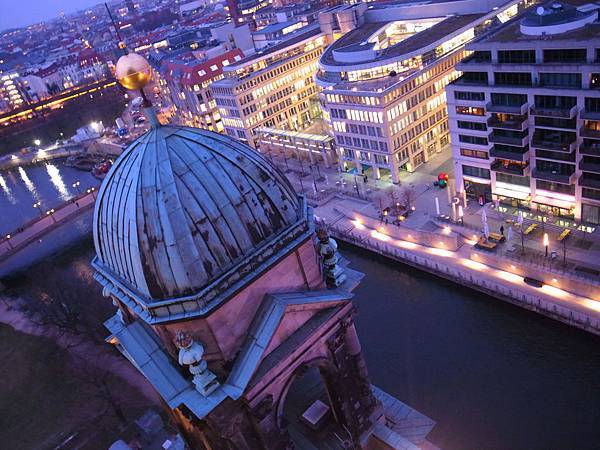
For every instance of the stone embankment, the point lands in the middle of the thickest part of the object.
(564, 297)
(30, 232)
(34, 156)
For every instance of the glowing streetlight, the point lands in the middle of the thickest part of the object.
(38, 205)
(37, 142)
(50, 213)
(76, 186)
(546, 243)
(8, 236)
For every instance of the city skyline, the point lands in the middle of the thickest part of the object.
(35, 11)
(271, 224)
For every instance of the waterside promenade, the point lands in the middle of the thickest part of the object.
(471, 268)
(427, 241)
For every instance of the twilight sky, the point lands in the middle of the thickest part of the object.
(15, 13)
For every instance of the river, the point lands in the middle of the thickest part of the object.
(493, 376)
(49, 183)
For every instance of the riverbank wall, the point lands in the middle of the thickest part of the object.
(562, 313)
(35, 156)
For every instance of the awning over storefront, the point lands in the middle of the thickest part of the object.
(553, 202)
(476, 180)
(512, 194)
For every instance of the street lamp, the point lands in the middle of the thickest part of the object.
(546, 243)
(37, 205)
(356, 186)
(8, 241)
(37, 142)
(76, 186)
(50, 213)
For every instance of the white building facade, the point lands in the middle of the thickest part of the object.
(525, 116)
(383, 82)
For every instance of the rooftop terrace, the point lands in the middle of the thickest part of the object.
(412, 44)
(511, 32)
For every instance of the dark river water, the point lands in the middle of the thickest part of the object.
(49, 183)
(493, 376)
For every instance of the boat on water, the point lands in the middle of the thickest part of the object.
(101, 169)
(81, 162)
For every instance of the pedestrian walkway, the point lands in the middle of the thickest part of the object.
(463, 261)
(37, 228)
(580, 250)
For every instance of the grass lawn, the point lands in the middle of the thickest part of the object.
(41, 403)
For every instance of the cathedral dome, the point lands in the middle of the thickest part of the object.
(182, 207)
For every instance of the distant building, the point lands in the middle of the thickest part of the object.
(242, 11)
(296, 11)
(274, 33)
(12, 95)
(194, 8)
(525, 114)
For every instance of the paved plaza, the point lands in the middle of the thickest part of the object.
(579, 251)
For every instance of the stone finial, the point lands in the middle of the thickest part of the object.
(191, 355)
(327, 248)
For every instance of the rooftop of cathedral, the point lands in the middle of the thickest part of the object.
(186, 215)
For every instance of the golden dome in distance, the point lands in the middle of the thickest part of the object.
(133, 71)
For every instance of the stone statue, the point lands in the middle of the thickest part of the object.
(327, 248)
(190, 355)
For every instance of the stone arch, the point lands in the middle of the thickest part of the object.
(320, 362)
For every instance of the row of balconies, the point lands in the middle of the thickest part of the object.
(563, 113)
(517, 123)
(553, 176)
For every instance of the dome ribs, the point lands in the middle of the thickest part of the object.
(117, 195)
(184, 209)
(205, 221)
(151, 233)
(247, 172)
(228, 203)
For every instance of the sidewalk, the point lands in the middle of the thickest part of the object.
(320, 184)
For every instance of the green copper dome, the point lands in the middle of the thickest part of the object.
(183, 206)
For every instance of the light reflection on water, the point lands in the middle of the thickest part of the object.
(28, 183)
(7, 191)
(57, 181)
(50, 184)
(474, 364)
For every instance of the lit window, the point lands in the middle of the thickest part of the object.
(213, 67)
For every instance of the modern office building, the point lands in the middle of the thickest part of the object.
(525, 114)
(383, 81)
(273, 88)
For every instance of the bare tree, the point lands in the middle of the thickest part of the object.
(67, 300)
(103, 385)
(408, 197)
